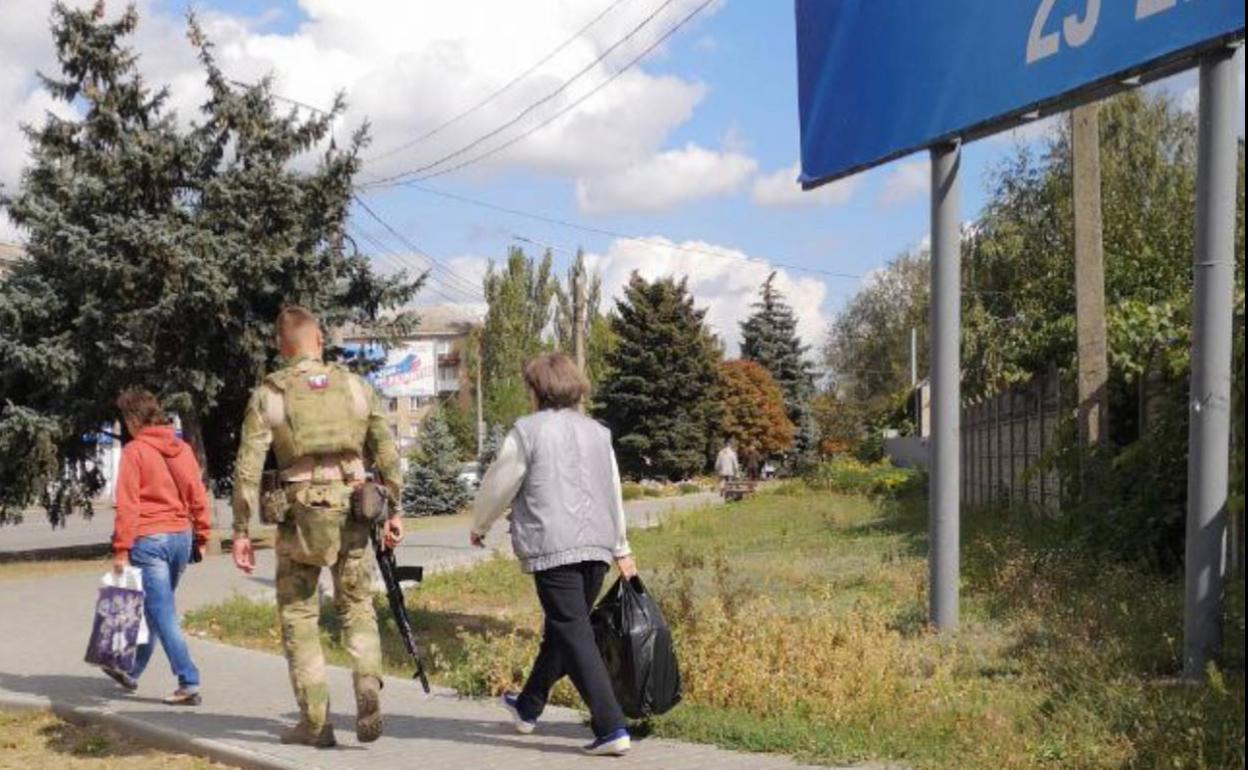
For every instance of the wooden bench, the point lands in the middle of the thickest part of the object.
(736, 491)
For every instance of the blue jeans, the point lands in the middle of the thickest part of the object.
(162, 559)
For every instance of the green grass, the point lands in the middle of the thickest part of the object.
(800, 623)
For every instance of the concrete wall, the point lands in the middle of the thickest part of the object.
(908, 452)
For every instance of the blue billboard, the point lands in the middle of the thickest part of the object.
(878, 79)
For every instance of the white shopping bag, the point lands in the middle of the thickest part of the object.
(132, 578)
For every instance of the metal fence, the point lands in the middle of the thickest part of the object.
(1004, 437)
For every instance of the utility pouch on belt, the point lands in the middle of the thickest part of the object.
(315, 520)
(370, 503)
(274, 505)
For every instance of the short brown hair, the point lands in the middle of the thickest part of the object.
(556, 382)
(139, 405)
(293, 318)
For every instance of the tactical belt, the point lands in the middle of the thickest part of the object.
(346, 468)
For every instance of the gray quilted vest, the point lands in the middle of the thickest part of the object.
(562, 514)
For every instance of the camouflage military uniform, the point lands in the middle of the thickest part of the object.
(323, 423)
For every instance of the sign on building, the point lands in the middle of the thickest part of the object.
(409, 369)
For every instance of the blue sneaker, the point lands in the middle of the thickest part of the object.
(616, 744)
(511, 702)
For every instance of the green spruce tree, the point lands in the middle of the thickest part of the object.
(159, 256)
(432, 486)
(769, 337)
(660, 400)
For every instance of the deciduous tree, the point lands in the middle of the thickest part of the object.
(754, 410)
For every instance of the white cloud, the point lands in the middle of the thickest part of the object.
(907, 180)
(665, 180)
(725, 285)
(406, 67)
(781, 188)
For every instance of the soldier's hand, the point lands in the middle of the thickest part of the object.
(394, 531)
(244, 556)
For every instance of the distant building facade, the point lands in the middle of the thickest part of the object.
(422, 370)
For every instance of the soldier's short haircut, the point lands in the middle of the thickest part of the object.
(292, 319)
(556, 381)
(139, 405)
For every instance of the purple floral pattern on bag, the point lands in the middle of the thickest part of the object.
(115, 629)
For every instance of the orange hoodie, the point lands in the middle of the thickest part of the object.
(159, 489)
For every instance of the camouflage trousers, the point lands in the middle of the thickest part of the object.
(298, 607)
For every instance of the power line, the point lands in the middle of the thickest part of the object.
(465, 284)
(525, 112)
(573, 105)
(623, 236)
(500, 91)
(441, 290)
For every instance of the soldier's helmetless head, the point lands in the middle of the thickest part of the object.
(298, 332)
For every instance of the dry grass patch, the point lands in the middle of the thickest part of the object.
(38, 740)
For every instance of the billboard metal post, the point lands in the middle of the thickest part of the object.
(1212, 322)
(946, 326)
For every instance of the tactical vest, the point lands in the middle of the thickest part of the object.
(320, 418)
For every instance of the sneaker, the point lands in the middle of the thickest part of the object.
(511, 702)
(124, 680)
(308, 734)
(616, 744)
(182, 697)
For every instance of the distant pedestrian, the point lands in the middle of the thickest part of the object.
(727, 466)
(162, 525)
(557, 472)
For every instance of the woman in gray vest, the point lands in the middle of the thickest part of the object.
(557, 472)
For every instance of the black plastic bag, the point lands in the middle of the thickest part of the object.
(637, 647)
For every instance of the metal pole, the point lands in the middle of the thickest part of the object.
(946, 333)
(480, 405)
(1212, 322)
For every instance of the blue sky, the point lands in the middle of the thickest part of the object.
(681, 151)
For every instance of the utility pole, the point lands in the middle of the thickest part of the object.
(578, 319)
(946, 338)
(480, 405)
(1089, 280)
(1208, 457)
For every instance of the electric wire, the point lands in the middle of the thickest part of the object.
(418, 172)
(501, 90)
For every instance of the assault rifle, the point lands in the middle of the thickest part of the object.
(393, 576)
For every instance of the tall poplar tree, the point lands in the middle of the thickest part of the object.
(520, 296)
(660, 401)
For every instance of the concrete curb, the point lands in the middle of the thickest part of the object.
(159, 738)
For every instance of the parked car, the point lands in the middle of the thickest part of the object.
(470, 476)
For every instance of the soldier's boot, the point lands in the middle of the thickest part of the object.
(307, 733)
(368, 719)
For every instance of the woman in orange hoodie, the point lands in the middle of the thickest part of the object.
(162, 525)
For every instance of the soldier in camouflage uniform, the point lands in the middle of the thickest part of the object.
(323, 424)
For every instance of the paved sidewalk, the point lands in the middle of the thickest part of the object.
(247, 694)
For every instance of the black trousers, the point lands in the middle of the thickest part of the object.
(567, 594)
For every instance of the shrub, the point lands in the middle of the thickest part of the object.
(689, 488)
(632, 491)
(851, 477)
